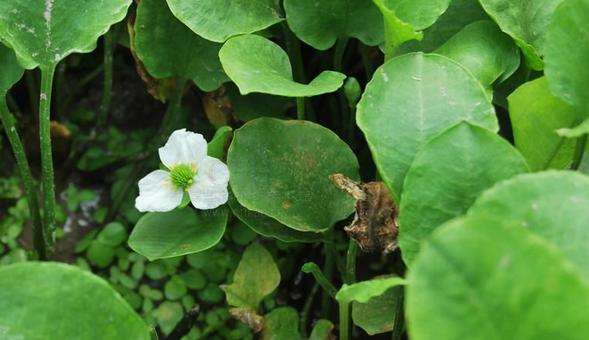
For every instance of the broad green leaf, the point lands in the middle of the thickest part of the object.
(321, 23)
(281, 323)
(423, 94)
(450, 172)
(43, 32)
(404, 19)
(567, 51)
(41, 300)
(219, 20)
(551, 204)
(10, 70)
(577, 131)
(168, 48)
(249, 287)
(178, 232)
(269, 227)
(380, 313)
(482, 280)
(364, 291)
(256, 64)
(322, 330)
(220, 142)
(281, 169)
(459, 14)
(526, 22)
(484, 50)
(536, 114)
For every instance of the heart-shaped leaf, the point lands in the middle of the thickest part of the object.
(40, 300)
(10, 70)
(269, 227)
(219, 20)
(411, 99)
(281, 169)
(536, 115)
(381, 313)
(178, 232)
(566, 49)
(550, 204)
(491, 281)
(43, 32)
(366, 290)
(256, 64)
(321, 23)
(484, 50)
(168, 48)
(526, 22)
(249, 288)
(450, 172)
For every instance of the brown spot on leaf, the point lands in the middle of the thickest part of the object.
(286, 205)
(248, 317)
(375, 225)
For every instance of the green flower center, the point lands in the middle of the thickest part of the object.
(182, 176)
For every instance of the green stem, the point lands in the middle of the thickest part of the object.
(301, 108)
(399, 325)
(293, 47)
(351, 259)
(322, 280)
(344, 321)
(368, 64)
(338, 55)
(579, 151)
(307, 309)
(108, 79)
(328, 268)
(8, 122)
(46, 153)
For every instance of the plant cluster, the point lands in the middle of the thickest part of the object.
(294, 169)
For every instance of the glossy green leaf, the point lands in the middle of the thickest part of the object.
(423, 94)
(43, 32)
(484, 50)
(482, 280)
(249, 287)
(256, 64)
(364, 291)
(566, 51)
(178, 232)
(217, 147)
(450, 172)
(536, 115)
(168, 48)
(550, 204)
(321, 23)
(281, 323)
(526, 22)
(459, 14)
(322, 330)
(281, 169)
(379, 314)
(40, 300)
(269, 227)
(403, 20)
(219, 20)
(10, 70)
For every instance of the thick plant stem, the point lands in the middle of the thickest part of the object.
(8, 122)
(338, 54)
(301, 108)
(108, 79)
(46, 153)
(321, 279)
(351, 261)
(344, 321)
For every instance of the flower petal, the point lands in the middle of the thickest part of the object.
(157, 193)
(183, 147)
(210, 184)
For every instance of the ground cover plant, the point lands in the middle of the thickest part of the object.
(294, 169)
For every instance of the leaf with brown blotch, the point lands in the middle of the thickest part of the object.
(248, 317)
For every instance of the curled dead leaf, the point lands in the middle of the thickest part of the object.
(375, 225)
(248, 317)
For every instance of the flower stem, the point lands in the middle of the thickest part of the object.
(8, 122)
(46, 153)
(328, 287)
(108, 79)
(344, 321)
(351, 261)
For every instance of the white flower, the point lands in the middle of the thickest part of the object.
(190, 169)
